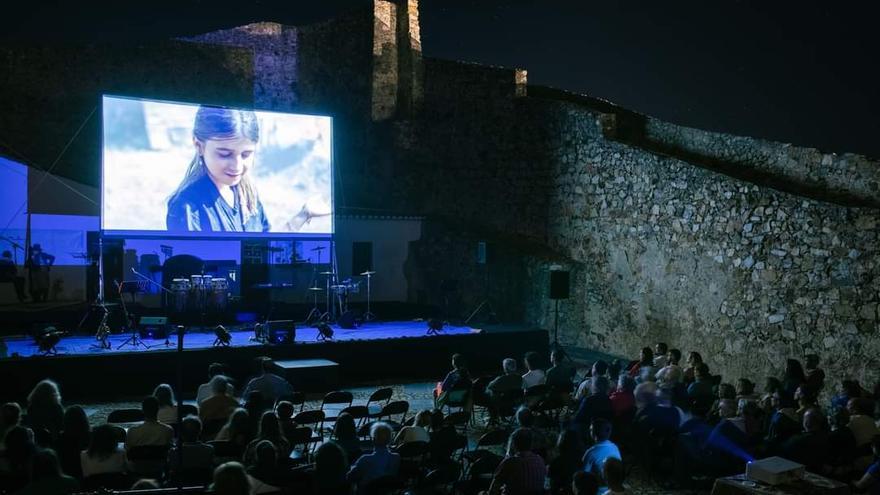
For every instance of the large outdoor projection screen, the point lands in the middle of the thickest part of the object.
(182, 169)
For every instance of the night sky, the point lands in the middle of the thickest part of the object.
(805, 73)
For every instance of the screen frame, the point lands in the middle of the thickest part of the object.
(140, 234)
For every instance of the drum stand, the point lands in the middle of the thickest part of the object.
(315, 312)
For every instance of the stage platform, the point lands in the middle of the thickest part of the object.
(374, 351)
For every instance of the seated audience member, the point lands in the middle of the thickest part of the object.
(459, 379)
(584, 484)
(444, 437)
(255, 405)
(103, 455)
(237, 429)
(418, 432)
(694, 359)
(20, 449)
(670, 375)
(379, 463)
(167, 406)
(595, 405)
(522, 471)
(793, 377)
(568, 461)
(262, 469)
(810, 448)
(870, 481)
(220, 404)
(74, 438)
(815, 375)
(284, 410)
(842, 445)
(651, 416)
(44, 408)
(196, 454)
(849, 389)
(535, 375)
(661, 351)
(623, 403)
(745, 390)
(783, 421)
(10, 417)
(151, 431)
(331, 467)
(345, 435)
(603, 449)
(231, 479)
(525, 419)
(561, 373)
(614, 476)
(644, 365)
(270, 385)
(269, 430)
(861, 421)
(46, 476)
(204, 391)
(725, 392)
(507, 381)
(700, 391)
(599, 368)
(805, 400)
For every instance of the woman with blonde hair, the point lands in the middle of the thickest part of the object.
(44, 408)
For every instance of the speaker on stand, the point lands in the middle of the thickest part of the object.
(559, 289)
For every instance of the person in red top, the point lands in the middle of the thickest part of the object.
(622, 399)
(522, 472)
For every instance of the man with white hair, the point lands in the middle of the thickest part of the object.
(379, 463)
(509, 379)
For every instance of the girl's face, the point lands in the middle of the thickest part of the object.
(227, 160)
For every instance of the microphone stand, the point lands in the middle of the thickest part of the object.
(157, 284)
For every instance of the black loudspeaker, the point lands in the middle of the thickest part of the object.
(153, 327)
(348, 320)
(559, 282)
(281, 331)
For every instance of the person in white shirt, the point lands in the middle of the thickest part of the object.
(151, 431)
(103, 455)
(204, 391)
(670, 375)
(535, 375)
(418, 432)
(660, 351)
(167, 407)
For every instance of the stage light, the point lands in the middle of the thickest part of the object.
(325, 332)
(223, 336)
(435, 326)
(47, 339)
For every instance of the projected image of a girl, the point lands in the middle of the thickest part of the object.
(217, 194)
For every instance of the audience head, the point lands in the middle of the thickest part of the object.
(726, 391)
(524, 417)
(805, 396)
(557, 356)
(44, 393)
(661, 349)
(520, 441)
(814, 420)
(615, 368)
(10, 415)
(423, 418)
(218, 384)
(860, 406)
(45, 464)
(613, 473)
(458, 361)
(772, 385)
(645, 394)
(584, 483)
(646, 357)
(600, 368)
(331, 463)
(265, 456)
(76, 422)
(532, 362)
(436, 419)
(165, 395)
(851, 388)
(284, 409)
(239, 422)
(694, 358)
(726, 408)
(381, 433)
(231, 479)
(744, 386)
(812, 361)
(673, 357)
(214, 369)
(104, 442)
(509, 365)
(20, 447)
(599, 385)
(625, 383)
(701, 372)
(840, 418)
(269, 426)
(600, 430)
(150, 407)
(345, 429)
(191, 429)
(794, 371)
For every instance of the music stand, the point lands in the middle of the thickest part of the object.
(134, 339)
(368, 316)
